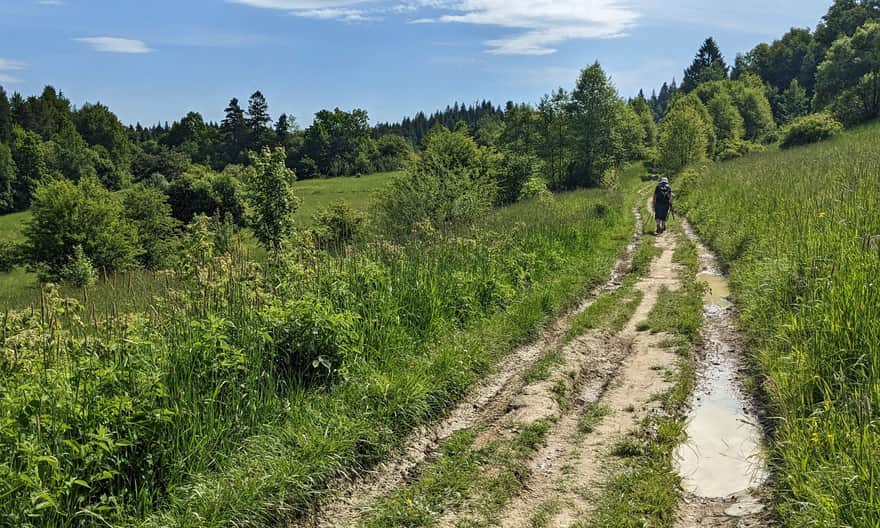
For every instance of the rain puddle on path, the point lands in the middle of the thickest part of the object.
(724, 454)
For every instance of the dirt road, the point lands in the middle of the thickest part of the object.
(596, 393)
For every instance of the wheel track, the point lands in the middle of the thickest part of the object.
(487, 403)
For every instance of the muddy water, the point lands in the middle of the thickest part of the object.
(724, 451)
(717, 292)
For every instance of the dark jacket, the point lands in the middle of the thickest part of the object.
(662, 201)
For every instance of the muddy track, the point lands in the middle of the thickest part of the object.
(724, 429)
(570, 470)
(487, 404)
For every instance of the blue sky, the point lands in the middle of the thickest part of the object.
(155, 60)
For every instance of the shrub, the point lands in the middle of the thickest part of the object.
(337, 225)
(311, 339)
(534, 187)
(79, 272)
(87, 215)
(737, 148)
(451, 184)
(810, 129)
(10, 256)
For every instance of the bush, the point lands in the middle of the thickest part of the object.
(451, 184)
(10, 256)
(311, 339)
(337, 225)
(737, 148)
(534, 187)
(810, 129)
(86, 214)
(79, 272)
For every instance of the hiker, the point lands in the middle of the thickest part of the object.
(662, 204)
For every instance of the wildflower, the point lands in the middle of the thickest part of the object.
(821, 214)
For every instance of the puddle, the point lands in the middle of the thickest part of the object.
(724, 453)
(717, 292)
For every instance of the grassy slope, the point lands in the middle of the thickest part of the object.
(356, 192)
(799, 232)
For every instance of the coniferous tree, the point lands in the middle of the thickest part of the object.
(234, 131)
(794, 102)
(708, 65)
(5, 118)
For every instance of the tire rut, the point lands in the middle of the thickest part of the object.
(487, 404)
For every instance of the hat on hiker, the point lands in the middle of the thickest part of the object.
(664, 180)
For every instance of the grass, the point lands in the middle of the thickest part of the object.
(483, 479)
(798, 231)
(240, 394)
(357, 192)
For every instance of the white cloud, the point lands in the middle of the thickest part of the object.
(7, 65)
(542, 24)
(51, 2)
(298, 5)
(116, 44)
(334, 13)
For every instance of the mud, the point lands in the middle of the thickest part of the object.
(722, 464)
(570, 469)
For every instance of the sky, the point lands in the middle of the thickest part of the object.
(154, 61)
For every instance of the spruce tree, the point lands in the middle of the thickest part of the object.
(5, 118)
(233, 128)
(708, 65)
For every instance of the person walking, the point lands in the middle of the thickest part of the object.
(662, 204)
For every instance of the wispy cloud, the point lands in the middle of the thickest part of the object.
(51, 2)
(320, 9)
(538, 26)
(7, 65)
(335, 13)
(116, 44)
(544, 24)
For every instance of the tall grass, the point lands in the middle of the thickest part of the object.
(799, 231)
(240, 392)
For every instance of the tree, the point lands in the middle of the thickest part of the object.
(269, 191)
(728, 122)
(684, 135)
(5, 118)
(68, 154)
(30, 166)
(751, 101)
(852, 66)
(258, 122)
(100, 127)
(233, 130)
(646, 118)
(149, 211)
(708, 65)
(553, 145)
(393, 153)
(66, 215)
(594, 109)
(7, 180)
(794, 102)
(335, 141)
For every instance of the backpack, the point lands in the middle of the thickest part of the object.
(664, 194)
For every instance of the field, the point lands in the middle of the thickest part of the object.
(19, 288)
(238, 396)
(799, 231)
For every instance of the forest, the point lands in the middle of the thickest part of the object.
(193, 353)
